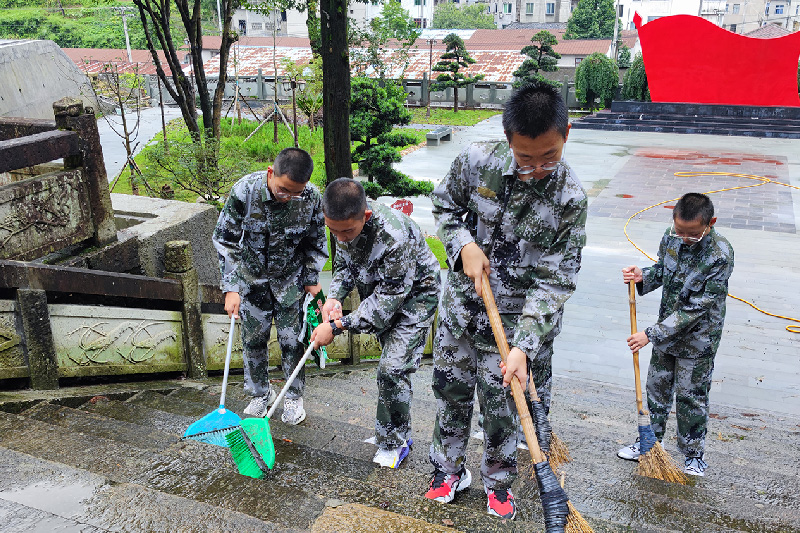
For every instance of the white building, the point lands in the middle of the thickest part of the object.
(738, 16)
(507, 11)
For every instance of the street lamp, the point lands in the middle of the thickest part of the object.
(431, 42)
(293, 84)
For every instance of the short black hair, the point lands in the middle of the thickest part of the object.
(694, 205)
(344, 199)
(534, 109)
(295, 163)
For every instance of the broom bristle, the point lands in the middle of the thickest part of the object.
(242, 456)
(559, 453)
(658, 464)
(575, 522)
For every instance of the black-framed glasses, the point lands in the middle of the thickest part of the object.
(690, 238)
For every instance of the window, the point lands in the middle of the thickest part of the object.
(507, 8)
(242, 27)
(733, 28)
(766, 8)
(550, 8)
(529, 8)
(736, 8)
(726, 8)
(578, 61)
(621, 7)
(256, 25)
(779, 9)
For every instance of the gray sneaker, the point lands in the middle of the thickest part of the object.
(259, 405)
(630, 452)
(293, 412)
(695, 466)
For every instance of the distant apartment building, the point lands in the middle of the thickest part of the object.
(506, 12)
(738, 16)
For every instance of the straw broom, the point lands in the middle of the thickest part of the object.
(654, 460)
(559, 513)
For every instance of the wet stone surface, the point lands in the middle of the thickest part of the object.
(117, 463)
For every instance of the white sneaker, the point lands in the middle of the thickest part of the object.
(259, 405)
(293, 412)
(393, 457)
(631, 452)
(695, 466)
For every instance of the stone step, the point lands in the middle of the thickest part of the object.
(41, 495)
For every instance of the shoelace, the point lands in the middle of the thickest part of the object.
(501, 495)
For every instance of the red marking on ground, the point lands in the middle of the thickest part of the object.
(669, 207)
(403, 205)
(624, 196)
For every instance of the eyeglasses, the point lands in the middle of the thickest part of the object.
(548, 167)
(690, 238)
(283, 195)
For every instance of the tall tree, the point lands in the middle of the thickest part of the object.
(155, 17)
(541, 56)
(335, 89)
(448, 15)
(453, 60)
(592, 19)
(395, 23)
(596, 78)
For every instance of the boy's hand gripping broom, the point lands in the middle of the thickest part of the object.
(251, 445)
(213, 427)
(654, 461)
(559, 514)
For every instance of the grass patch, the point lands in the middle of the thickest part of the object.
(445, 116)
(437, 247)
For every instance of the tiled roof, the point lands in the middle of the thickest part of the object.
(93, 60)
(768, 31)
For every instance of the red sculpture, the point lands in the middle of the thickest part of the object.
(689, 59)
(403, 205)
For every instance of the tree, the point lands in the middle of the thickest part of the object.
(634, 85)
(592, 19)
(597, 77)
(454, 59)
(541, 56)
(375, 108)
(155, 17)
(448, 15)
(624, 57)
(368, 43)
(310, 98)
(335, 89)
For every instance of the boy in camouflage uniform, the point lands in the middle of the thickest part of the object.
(694, 264)
(516, 211)
(270, 238)
(382, 253)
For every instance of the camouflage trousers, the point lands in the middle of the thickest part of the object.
(402, 347)
(471, 364)
(689, 380)
(257, 311)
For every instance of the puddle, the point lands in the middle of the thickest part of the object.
(61, 500)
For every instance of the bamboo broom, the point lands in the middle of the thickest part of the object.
(558, 511)
(654, 460)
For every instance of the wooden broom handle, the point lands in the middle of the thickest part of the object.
(516, 387)
(636, 376)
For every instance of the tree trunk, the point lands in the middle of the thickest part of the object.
(335, 89)
(455, 99)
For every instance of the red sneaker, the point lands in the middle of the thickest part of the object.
(501, 503)
(444, 486)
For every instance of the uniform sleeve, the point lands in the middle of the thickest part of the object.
(227, 241)
(342, 280)
(556, 273)
(653, 277)
(315, 250)
(450, 200)
(702, 296)
(395, 273)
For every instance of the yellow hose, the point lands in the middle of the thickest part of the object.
(763, 181)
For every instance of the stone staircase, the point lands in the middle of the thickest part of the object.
(109, 458)
(781, 123)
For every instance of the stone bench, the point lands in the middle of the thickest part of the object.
(439, 134)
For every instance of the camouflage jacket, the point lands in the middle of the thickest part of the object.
(394, 270)
(695, 281)
(532, 232)
(264, 243)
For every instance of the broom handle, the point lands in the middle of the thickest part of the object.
(290, 379)
(637, 377)
(516, 387)
(227, 363)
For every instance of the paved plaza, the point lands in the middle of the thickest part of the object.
(625, 172)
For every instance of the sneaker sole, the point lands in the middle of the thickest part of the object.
(498, 515)
(462, 484)
(627, 457)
